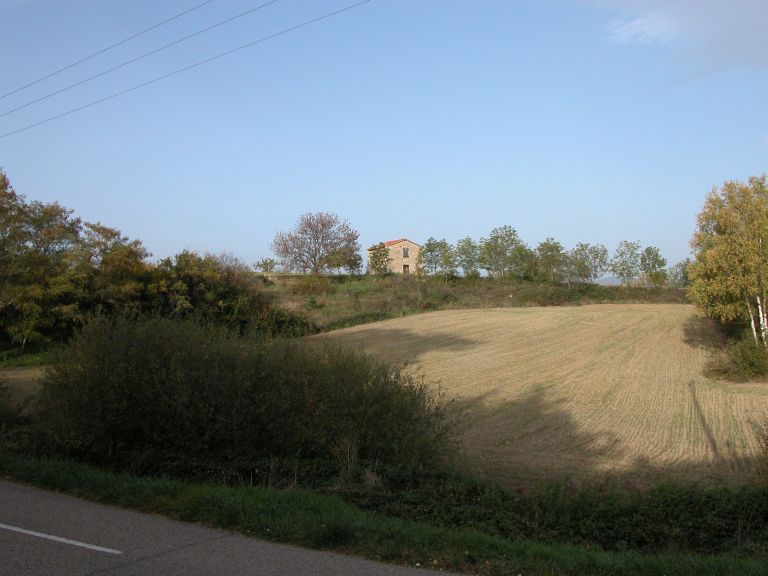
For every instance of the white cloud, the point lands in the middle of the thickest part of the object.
(723, 32)
(645, 29)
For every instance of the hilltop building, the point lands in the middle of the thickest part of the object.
(403, 254)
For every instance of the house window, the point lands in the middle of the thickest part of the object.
(406, 269)
(405, 252)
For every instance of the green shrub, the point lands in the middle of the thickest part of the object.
(742, 360)
(661, 518)
(153, 394)
(10, 413)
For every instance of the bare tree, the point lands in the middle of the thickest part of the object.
(320, 241)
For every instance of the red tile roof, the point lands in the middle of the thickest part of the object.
(390, 242)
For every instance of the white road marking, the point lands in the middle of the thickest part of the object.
(59, 539)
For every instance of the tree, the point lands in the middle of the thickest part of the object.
(552, 260)
(625, 264)
(678, 274)
(468, 256)
(504, 254)
(587, 263)
(447, 259)
(266, 265)
(729, 279)
(652, 264)
(320, 241)
(379, 260)
(429, 256)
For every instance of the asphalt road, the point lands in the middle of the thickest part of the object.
(48, 534)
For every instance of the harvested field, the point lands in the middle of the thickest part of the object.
(581, 392)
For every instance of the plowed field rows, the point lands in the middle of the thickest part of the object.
(580, 392)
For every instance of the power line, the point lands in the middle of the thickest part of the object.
(115, 45)
(195, 65)
(137, 58)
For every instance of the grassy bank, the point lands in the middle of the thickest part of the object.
(326, 522)
(331, 302)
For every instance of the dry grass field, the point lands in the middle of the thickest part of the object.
(584, 393)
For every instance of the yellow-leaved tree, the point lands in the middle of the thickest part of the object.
(728, 279)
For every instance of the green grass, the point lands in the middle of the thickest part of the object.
(327, 522)
(16, 358)
(332, 302)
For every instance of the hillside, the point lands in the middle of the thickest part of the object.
(580, 392)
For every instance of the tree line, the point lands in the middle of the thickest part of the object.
(322, 242)
(56, 271)
(504, 255)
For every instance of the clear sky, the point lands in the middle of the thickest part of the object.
(584, 120)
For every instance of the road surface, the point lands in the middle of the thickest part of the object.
(48, 534)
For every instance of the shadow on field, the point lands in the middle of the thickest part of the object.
(533, 438)
(404, 346)
(535, 441)
(700, 332)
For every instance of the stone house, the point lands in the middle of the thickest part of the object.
(404, 255)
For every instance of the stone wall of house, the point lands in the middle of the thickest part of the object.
(399, 259)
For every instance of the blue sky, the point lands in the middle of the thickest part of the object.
(584, 120)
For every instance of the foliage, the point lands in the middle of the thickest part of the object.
(677, 275)
(729, 279)
(741, 360)
(266, 265)
(154, 395)
(379, 260)
(625, 264)
(10, 413)
(503, 254)
(319, 242)
(652, 264)
(587, 263)
(666, 517)
(552, 261)
(437, 257)
(325, 521)
(56, 270)
(468, 256)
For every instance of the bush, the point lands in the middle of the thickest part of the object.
(155, 394)
(661, 518)
(742, 360)
(10, 413)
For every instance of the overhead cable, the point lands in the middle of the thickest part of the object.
(191, 66)
(98, 52)
(137, 58)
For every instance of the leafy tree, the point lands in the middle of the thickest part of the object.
(468, 256)
(552, 260)
(504, 254)
(266, 265)
(729, 279)
(625, 264)
(320, 241)
(447, 260)
(429, 256)
(379, 260)
(678, 274)
(14, 234)
(652, 264)
(587, 262)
